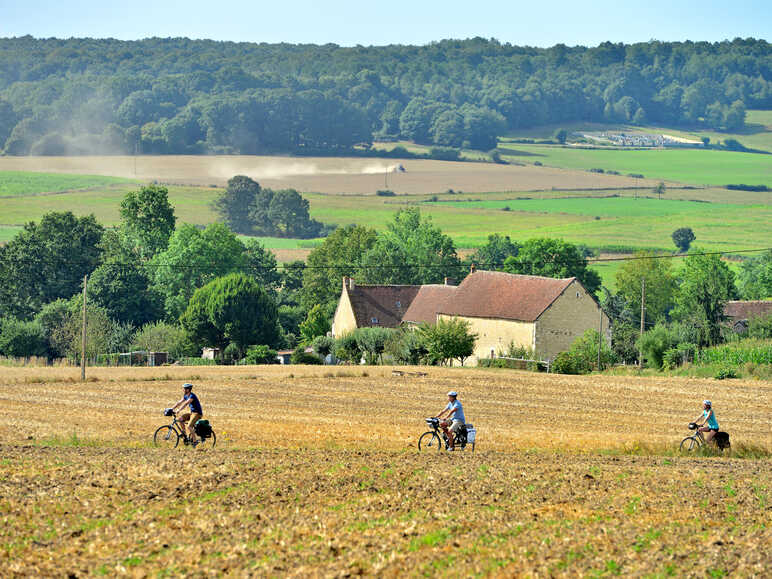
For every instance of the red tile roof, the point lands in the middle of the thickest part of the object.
(740, 310)
(494, 294)
(430, 299)
(385, 303)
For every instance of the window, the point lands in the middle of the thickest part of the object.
(399, 304)
(373, 320)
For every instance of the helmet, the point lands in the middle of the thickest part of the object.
(168, 412)
(187, 386)
(707, 403)
(453, 393)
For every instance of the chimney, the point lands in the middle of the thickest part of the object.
(450, 281)
(473, 268)
(351, 285)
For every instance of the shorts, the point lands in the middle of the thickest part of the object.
(456, 426)
(191, 419)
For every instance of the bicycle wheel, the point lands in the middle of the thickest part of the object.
(428, 441)
(208, 442)
(689, 444)
(166, 436)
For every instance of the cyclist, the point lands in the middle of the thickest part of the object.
(455, 418)
(191, 417)
(708, 417)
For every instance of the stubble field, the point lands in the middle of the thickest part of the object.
(316, 474)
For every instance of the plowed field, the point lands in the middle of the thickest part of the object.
(316, 474)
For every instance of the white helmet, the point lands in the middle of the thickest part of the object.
(453, 393)
(707, 403)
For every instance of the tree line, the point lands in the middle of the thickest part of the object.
(154, 284)
(179, 96)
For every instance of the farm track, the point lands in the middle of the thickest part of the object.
(316, 474)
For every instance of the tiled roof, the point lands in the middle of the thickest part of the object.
(386, 304)
(493, 294)
(430, 300)
(739, 310)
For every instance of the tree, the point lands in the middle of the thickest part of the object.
(192, 259)
(337, 257)
(494, 253)
(261, 354)
(410, 251)
(683, 237)
(231, 309)
(371, 342)
(124, 291)
(148, 220)
(755, 279)
(323, 346)
(46, 261)
(19, 339)
(447, 340)
(560, 136)
(706, 285)
(553, 258)
(289, 216)
(103, 335)
(261, 264)
(163, 337)
(659, 190)
(236, 203)
(660, 285)
(582, 357)
(315, 324)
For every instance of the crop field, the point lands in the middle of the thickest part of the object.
(692, 166)
(316, 473)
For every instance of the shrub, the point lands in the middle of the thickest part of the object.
(323, 345)
(300, 356)
(655, 343)
(261, 354)
(760, 327)
(406, 347)
(385, 193)
(444, 153)
(346, 348)
(372, 342)
(20, 339)
(570, 363)
(725, 372)
(582, 358)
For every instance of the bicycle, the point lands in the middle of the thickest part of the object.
(169, 435)
(436, 437)
(697, 440)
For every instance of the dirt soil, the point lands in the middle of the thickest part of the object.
(327, 175)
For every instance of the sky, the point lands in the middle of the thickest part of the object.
(371, 22)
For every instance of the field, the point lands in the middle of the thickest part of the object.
(316, 473)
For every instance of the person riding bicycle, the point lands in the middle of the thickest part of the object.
(455, 418)
(191, 417)
(708, 417)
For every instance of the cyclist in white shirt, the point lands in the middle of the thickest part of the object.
(453, 415)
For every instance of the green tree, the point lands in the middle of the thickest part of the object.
(660, 285)
(582, 357)
(194, 258)
(236, 203)
(683, 237)
(163, 337)
(411, 251)
(553, 258)
(231, 309)
(20, 339)
(338, 256)
(706, 285)
(288, 214)
(261, 354)
(261, 264)
(148, 220)
(494, 253)
(755, 278)
(371, 342)
(406, 347)
(447, 340)
(124, 291)
(323, 346)
(46, 261)
(315, 324)
(659, 189)
(560, 136)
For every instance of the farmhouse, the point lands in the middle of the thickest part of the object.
(541, 313)
(739, 313)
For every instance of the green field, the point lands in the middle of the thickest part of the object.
(691, 166)
(20, 183)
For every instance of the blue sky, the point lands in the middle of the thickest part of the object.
(369, 22)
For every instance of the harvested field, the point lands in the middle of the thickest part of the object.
(316, 473)
(325, 174)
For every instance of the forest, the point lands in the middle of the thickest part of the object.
(181, 96)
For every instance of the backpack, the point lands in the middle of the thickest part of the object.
(722, 440)
(203, 429)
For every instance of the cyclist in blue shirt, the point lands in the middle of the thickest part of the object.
(709, 424)
(195, 414)
(455, 418)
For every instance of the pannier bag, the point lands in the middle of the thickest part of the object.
(203, 429)
(722, 440)
(471, 432)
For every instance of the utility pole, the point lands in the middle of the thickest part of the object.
(643, 321)
(83, 335)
